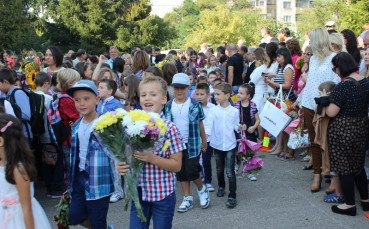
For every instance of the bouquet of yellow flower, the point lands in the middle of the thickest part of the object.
(30, 69)
(125, 133)
(299, 62)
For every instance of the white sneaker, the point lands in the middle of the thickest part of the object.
(252, 177)
(204, 196)
(210, 187)
(186, 204)
(116, 196)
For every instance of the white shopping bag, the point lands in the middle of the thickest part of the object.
(273, 119)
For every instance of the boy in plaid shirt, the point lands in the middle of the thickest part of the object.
(157, 180)
(188, 115)
(92, 180)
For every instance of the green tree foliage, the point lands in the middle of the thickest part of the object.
(355, 16)
(217, 22)
(14, 24)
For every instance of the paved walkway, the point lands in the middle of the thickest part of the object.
(281, 198)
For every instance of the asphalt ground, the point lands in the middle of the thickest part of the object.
(280, 198)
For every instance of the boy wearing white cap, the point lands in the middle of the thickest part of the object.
(188, 115)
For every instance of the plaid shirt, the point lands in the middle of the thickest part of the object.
(157, 183)
(99, 164)
(195, 115)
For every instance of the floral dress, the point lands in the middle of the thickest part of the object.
(11, 214)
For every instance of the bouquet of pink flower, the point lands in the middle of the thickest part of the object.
(247, 152)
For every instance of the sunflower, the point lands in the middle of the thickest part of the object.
(31, 77)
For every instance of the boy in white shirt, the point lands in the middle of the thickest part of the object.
(203, 94)
(52, 163)
(223, 120)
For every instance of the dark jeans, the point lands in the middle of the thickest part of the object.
(348, 187)
(54, 175)
(226, 159)
(81, 209)
(206, 163)
(161, 212)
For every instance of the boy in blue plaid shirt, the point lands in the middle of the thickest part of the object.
(91, 178)
(188, 115)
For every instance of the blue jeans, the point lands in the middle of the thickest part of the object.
(161, 212)
(226, 159)
(81, 209)
(235, 89)
(206, 163)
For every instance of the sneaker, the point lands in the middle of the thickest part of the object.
(220, 192)
(231, 202)
(236, 168)
(186, 204)
(110, 227)
(204, 196)
(54, 195)
(210, 187)
(252, 177)
(115, 197)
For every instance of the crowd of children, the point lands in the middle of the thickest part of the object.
(204, 115)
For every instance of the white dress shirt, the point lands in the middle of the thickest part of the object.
(223, 122)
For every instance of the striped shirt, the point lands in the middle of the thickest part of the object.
(280, 80)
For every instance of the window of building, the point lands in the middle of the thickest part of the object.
(287, 5)
(261, 3)
(287, 18)
(298, 17)
(302, 4)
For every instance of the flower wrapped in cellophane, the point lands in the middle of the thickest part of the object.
(125, 133)
(248, 155)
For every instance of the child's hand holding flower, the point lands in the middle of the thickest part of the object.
(122, 168)
(146, 156)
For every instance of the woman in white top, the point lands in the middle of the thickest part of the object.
(271, 51)
(261, 89)
(320, 70)
(54, 59)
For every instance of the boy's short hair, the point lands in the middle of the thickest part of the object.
(218, 80)
(110, 84)
(42, 78)
(154, 79)
(328, 86)
(7, 74)
(212, 73)
(203, 86)
(226, 88)
(201, 78)
(204, 71)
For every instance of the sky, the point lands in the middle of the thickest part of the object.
(161, 7)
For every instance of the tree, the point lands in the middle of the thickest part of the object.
(355, 16)
(14, 24)
(101, 23)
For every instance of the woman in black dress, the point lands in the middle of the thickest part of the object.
(348, 132)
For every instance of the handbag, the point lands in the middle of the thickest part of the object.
(49, 154)
(299, 138)
(273, 119)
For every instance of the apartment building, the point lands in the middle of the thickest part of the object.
(287, 11)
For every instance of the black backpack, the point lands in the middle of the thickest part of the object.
(37, 107)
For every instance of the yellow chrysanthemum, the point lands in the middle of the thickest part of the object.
(138, 115)
(162, 126)
(106, 120)
(165, 146)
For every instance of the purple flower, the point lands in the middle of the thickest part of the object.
(155, 130)
(152, 120)
(146, 131)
